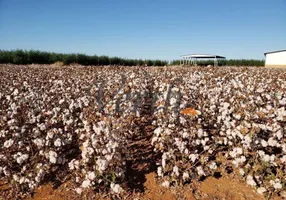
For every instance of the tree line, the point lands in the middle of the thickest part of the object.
(24, 57)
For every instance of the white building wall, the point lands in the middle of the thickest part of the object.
(278, 58)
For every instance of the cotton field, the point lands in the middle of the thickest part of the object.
(76, 123)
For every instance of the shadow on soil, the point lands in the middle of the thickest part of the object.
(141, 158)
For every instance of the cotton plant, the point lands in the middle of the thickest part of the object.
(172, 138)
(38, 150)
(102, 161)
(38, 132)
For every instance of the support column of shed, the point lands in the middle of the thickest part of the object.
(189, 60)
(215, 62)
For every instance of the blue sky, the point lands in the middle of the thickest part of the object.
(163, 29)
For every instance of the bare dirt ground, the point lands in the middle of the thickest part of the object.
(211, 188)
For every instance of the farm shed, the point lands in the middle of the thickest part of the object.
(191, 59)
(275, 59)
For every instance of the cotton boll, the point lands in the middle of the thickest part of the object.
(176, 170)
(42, 127)
(173, 101)
(6, 171)
(206, 148)
(183, 120)
(32, 186)
(86, 183)
(16, 92)
(160, 171)
(186, 176)
(261, 190)
(264, 143)
(58, 142)
(168, 131)
(235, 152)
(235, 162)
(186, 134)
(78, 190)
(16, 177)
(250, 181)
(198, 142)
(158, 131)
(101, 164)
(213, 166)
(164, 159)
(39, 142)
(8, 143)
(237, 116)
(108, 157)
(69, 122)
(91, 176)
(247, 139)
(242, 159)
(116, 188)
(154, 139)
(166, 184)
(53, 156)
(283, 159)
(277, 185)
(272, 158)
(279, 134)
(22, 158)
(73, 164)
(50, 135)
(261, 153)
(284, 148)
(200, 171)
(22, 180)
(193, 157)
(241, 172)
(186, 151)
(282, 102)
(225, 105)
(272, 142)
(200, 133)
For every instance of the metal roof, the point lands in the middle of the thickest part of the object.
(201, 56)
(274, 51)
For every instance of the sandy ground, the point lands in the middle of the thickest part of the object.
(211, 188)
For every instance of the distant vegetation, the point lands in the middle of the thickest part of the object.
(231, 62)
(41, 57)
